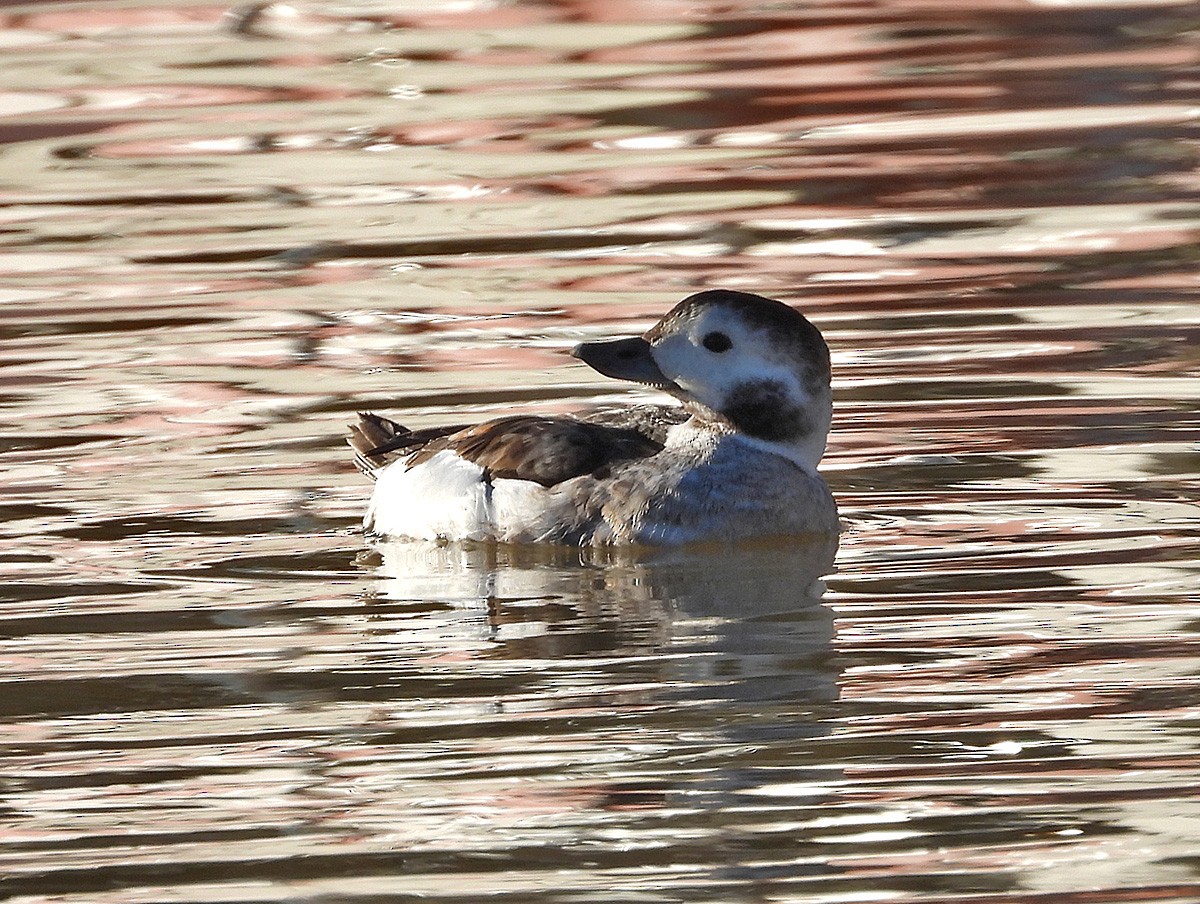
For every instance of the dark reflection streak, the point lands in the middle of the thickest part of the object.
(41, 443)
(1109, 264)
(147, 199)
(42, 698)
(500, 395)
(123, 622)
(201, 741)
(455, 246)
(51, 591)
(101, 842)
(70, 327)
(15, 134)
(301, 566)
(1014, 181)
(129, 526)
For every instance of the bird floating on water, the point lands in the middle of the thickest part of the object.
(736, 459)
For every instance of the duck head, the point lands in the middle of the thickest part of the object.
(742, 360)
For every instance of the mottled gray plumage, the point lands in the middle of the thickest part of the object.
(705, 486)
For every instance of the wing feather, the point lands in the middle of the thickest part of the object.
(545, 450)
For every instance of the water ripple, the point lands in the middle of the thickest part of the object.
(284, 213)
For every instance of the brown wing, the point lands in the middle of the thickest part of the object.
(547, 450)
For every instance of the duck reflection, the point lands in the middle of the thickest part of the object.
(642, 688)
(747, 617)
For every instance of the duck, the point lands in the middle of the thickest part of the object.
(734, 458)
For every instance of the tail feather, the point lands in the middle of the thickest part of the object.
(373, 438)
(377, 441)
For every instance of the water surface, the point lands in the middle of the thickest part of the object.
(222, 232)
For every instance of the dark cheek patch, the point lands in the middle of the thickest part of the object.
(763, 410)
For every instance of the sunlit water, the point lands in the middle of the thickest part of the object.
(223, 232)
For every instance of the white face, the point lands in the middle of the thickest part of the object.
(764, 385)
(733, 355)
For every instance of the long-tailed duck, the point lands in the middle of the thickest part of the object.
(737, 459)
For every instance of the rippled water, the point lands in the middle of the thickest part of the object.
(224, 231)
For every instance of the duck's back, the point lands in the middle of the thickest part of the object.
(500, 480)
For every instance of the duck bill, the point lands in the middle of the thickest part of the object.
(624, 359)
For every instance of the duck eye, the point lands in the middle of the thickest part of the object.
(717, 342)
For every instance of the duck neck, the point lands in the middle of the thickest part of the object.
(804, 451)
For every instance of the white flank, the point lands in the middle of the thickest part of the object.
(448, 498)
(443, 497)
(518, 505)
